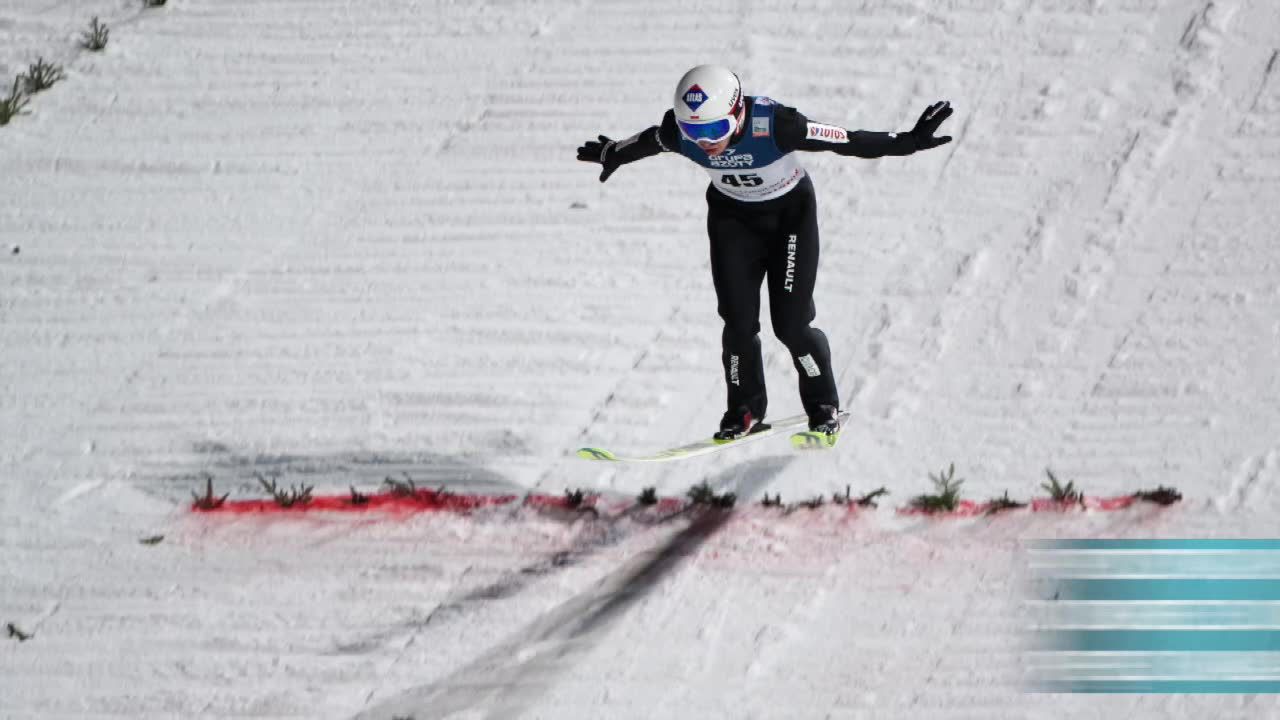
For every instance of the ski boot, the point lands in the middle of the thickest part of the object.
(738, 423)
(824, 429)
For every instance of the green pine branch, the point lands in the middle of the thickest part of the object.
(40, 76)
(573, 499)
(869, 500)
(812, 503)
(208, 501)
(13, 105)
(1162, 495)
(285, 498)
(1002, 503)
(703, 494)
(95, 38)
(648, 496)
(1065, 494)
(946, 495)
(401, 488)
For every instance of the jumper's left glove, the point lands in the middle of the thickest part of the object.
(928, 124)
(601, 151)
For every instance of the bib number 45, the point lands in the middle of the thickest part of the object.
(742, 180)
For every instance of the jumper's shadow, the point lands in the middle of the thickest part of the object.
(510, 676)
(599, 534)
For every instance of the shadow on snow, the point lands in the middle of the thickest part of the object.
(511, 675)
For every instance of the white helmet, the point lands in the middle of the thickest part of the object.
(708, 103)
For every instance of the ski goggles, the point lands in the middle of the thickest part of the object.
(708, 133)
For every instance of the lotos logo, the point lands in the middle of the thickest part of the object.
(694, 96)
(828, 133)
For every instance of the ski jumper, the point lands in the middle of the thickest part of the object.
(762, 225)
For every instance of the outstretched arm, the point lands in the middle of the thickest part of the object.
(796, 132)
(613, 154)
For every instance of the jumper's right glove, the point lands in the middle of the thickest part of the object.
(928, 124)
(601, 151)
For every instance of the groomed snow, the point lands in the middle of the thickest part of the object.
(337, 241)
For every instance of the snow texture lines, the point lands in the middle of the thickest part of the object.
(330, 241)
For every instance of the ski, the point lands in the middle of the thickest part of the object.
(702, 447)
(809, 440)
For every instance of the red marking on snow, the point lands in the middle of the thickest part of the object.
(441, 501)
(418, 501)
(669, 505)
(1090, 503)
(426, 501)
(559, 502)
(969, 508)
(965, 508)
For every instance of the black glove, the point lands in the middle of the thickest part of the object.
(928, 124)
(600, 151)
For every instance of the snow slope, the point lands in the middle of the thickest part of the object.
(340, 240)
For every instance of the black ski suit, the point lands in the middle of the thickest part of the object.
(762, 223)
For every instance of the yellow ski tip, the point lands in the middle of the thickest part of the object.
(596, 454)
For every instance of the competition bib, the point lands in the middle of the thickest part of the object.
(754, 170)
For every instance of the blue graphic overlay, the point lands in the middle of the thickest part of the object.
(1154, 616)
